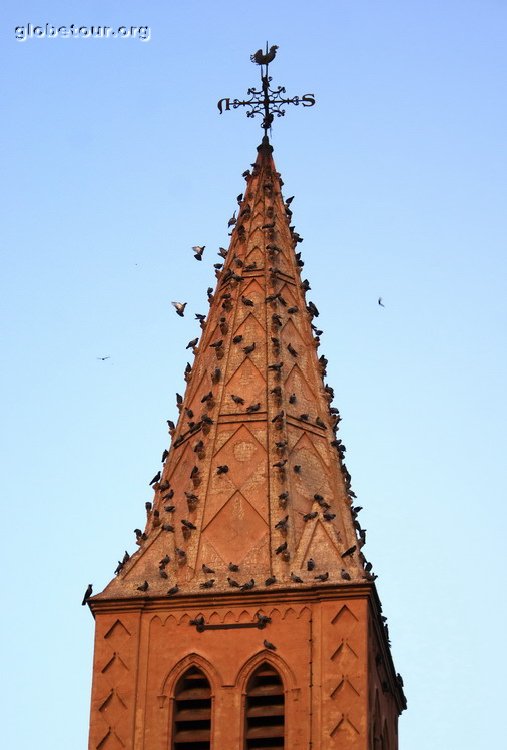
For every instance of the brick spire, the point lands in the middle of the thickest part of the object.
(255, 474)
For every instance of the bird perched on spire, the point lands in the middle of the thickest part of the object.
(261, 58)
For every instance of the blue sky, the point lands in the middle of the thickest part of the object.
(115, 162)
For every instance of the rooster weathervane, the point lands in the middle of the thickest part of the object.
(266, 101)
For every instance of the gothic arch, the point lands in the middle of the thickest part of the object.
(191, 660)
(270, 657)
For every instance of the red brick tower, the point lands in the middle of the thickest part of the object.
(249, 618)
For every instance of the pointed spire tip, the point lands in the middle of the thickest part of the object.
(265, 145)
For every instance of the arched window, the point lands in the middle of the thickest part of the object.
(264, 710)
(192, 712)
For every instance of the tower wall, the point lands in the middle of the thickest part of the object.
(324, 651)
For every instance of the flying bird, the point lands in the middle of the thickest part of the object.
(263, 58)
(180, 308)
(198, 251)
(380, 302)
(87, 594)
(104, 358)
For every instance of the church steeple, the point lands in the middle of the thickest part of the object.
(255, 474)
(248, 618)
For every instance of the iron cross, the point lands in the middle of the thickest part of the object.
(266, 101)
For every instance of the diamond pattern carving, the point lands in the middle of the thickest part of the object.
(235, 529)
(243, 454)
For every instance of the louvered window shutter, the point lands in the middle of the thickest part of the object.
(265, 710)
(192, 712)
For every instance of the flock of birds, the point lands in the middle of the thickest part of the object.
(205, 422)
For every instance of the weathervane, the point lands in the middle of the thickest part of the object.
(267, 101)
